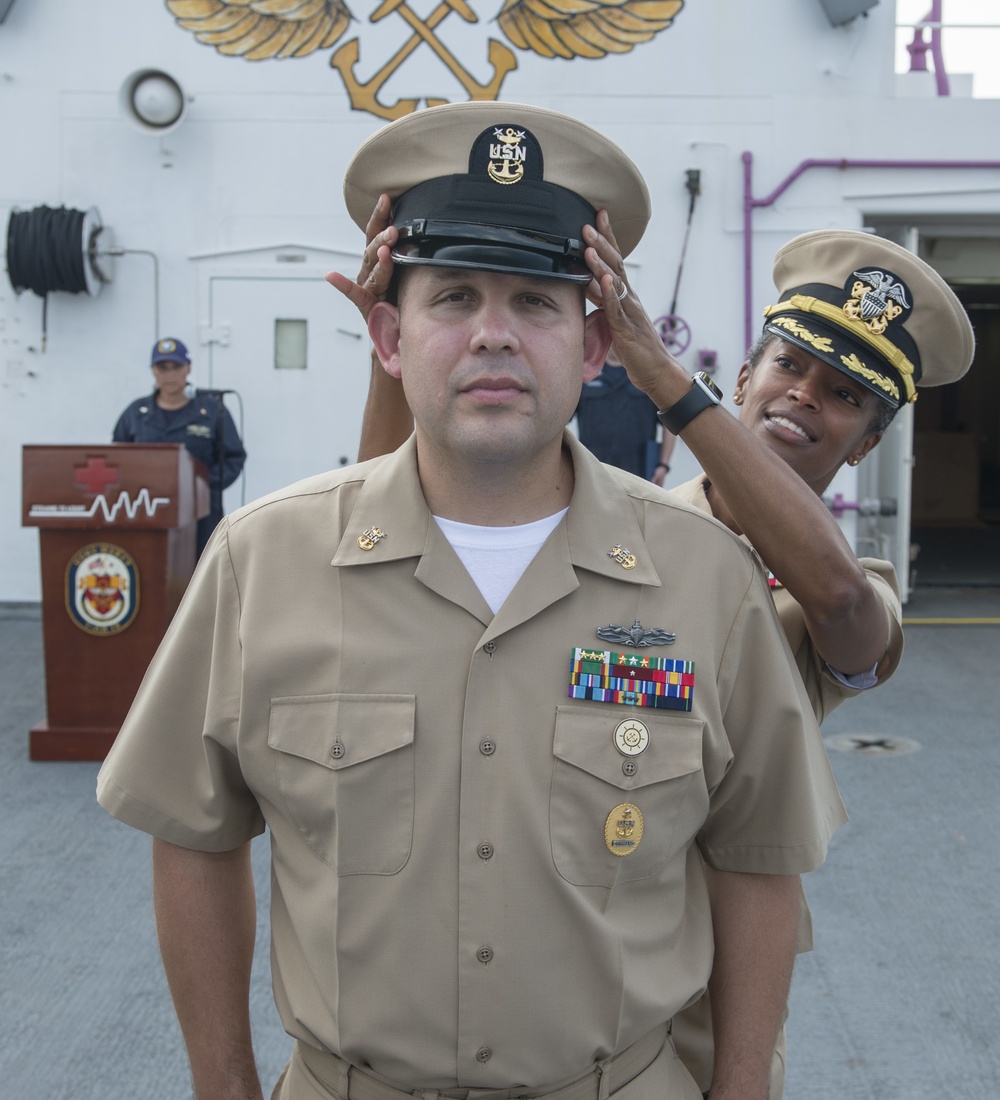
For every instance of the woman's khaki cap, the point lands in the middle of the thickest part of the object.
(497, 186)
(871, 309)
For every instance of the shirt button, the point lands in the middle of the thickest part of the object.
(490, 647)
(484, 1054)
(485, 851)
(337, 750)
(485, 955)
(630, 767)
(487, 747)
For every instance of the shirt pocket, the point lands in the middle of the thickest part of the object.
(344, 765)
(589, 784)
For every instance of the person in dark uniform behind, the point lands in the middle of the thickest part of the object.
(617, 422)
(171, 414)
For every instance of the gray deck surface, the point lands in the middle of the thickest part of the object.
(899, 1001)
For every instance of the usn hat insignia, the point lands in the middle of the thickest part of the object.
(508, 153)
(871, 309)
(497, 187)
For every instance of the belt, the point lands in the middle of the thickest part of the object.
(348, 1082)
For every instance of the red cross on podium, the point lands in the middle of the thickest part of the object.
(95, 476)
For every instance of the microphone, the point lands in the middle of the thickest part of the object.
(199, 392)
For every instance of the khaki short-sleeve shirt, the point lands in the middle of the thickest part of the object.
(448, 906)
(826, 692)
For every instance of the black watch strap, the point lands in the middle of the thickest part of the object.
(704, 393)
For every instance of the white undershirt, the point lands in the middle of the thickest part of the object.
(860, 681)
(497, 556)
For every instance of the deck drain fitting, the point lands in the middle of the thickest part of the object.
(871, 744)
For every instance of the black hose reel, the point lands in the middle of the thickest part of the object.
(56, 249)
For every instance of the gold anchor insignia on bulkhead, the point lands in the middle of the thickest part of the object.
(364, 96)
(260, 30)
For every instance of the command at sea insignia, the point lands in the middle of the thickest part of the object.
(631, 737)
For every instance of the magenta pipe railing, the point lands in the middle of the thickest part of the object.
(940, 73)
(919, 48)
(750, 203)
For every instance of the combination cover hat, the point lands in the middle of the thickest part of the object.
(169, 350)
(873, 310)
(497, 187)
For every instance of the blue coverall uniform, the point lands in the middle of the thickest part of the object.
(205, 427)
(617, 422)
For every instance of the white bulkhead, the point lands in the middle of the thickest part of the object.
(210, 183)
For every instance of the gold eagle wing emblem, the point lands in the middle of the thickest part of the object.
(584, 28)
(262, 29)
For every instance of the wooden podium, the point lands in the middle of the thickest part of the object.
(117, 531)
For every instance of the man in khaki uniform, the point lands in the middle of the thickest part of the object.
(494, 701)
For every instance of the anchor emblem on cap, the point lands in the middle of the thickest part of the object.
(882, 302)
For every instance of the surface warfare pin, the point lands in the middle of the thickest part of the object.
(623, 829)
(635, 635)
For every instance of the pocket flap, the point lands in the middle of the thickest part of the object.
(585, 739)
(338, 731)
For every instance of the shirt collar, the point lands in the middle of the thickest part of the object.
(390, 519)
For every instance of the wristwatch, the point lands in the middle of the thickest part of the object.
(704, 393)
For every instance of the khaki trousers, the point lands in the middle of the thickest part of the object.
(313, 1075)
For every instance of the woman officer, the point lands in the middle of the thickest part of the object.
(858, 324)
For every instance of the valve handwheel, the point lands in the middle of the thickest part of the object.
(674, 332)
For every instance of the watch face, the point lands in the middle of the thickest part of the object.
(704, 394)
(708, 384)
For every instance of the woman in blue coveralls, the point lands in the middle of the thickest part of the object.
(202, 423)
